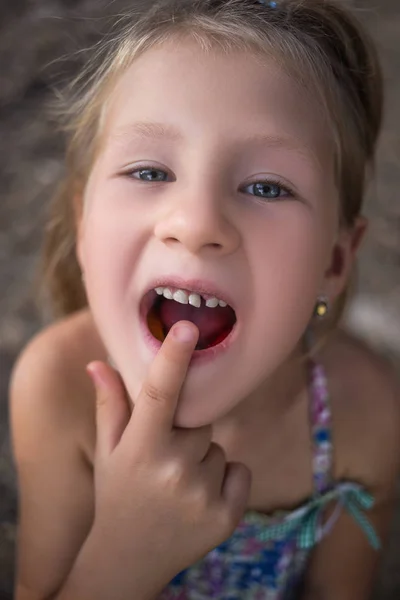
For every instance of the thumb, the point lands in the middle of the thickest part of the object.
(112, 409)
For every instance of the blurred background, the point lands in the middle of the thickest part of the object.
(40, 48)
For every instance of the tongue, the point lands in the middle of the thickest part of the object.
(214, 324)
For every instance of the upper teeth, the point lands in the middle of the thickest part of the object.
(184, 297)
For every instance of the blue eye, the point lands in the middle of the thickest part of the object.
(269, 190)
(149, 174)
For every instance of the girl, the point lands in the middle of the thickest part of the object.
(243, 446)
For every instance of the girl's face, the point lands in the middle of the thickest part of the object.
(215, 176)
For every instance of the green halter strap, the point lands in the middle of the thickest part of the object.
(304, 523)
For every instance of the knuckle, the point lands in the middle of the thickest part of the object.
(200, 499)
(101, 401)
(175, 472)
(154, 395)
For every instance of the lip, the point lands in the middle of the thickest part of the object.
(198, 286)
(198, 356)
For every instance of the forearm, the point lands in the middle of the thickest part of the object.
(100, 574)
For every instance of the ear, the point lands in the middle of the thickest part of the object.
(343, 257)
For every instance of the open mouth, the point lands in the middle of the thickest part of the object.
(164, 307)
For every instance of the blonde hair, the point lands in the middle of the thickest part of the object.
(318, 41)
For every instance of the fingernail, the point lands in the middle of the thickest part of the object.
(183, 333)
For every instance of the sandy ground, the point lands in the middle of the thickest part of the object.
(33, 34)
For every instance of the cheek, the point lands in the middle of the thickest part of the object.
(287, 281)
(294, 251)
(109, 268)
(111, 238)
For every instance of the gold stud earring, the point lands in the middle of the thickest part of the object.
(322, 307)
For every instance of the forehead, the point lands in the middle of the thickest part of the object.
(191, 92)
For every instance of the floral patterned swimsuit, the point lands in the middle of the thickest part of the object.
(266, 556)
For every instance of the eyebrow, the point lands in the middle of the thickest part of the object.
(159, 131)
(147, 130)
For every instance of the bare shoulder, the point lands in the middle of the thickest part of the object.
(52, 411)
(54, 361)
(365, 396)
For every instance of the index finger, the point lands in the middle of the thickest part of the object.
(156, 404)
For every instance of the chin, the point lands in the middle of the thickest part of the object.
(192, 416)
(201, 405)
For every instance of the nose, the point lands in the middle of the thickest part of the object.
(199, 224)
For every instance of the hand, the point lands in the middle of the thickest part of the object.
(164, 496)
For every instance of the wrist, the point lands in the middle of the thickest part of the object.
(99, 573)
